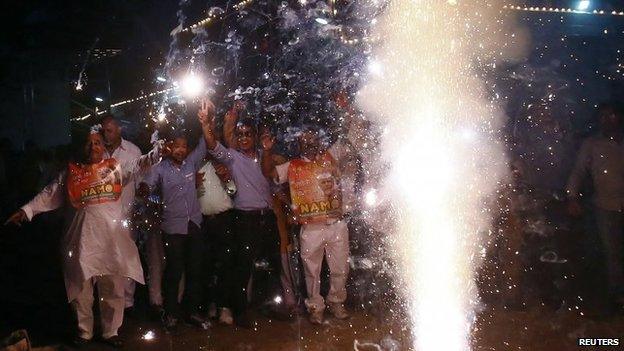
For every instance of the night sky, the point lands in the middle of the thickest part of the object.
(123, 44)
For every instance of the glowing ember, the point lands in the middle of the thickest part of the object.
(149, 335)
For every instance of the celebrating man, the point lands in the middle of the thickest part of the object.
(97, 248)
(316, 197)
(254, 229)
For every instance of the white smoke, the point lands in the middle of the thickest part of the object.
(428, 86)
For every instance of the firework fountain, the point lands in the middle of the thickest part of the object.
(429, 88)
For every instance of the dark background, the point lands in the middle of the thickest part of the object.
(44, 45)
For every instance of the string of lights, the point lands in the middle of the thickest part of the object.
(351, 41)
(237, 7)
(123, 102)
(562, 10)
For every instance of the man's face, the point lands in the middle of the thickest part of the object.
(94, 148)
(179, 149)
(112, 132)
(246, 138)
(309, 144)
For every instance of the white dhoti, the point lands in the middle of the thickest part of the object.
(332, 241)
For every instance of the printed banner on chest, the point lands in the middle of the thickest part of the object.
(94, 184)
(314, 189)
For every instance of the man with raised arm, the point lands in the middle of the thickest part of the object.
(175, 179)
(97, 248)
(317, 202)
(254, 225)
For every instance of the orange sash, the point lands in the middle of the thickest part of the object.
(94, 184)
(315, 189)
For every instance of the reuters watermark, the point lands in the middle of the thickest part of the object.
(599, 342)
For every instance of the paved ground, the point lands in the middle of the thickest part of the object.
(535, 330)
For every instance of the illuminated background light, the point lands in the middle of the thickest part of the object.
(583, 5)
(149, 335)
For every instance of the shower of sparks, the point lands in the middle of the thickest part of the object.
(442, 140)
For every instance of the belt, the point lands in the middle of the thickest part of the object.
(262, 212)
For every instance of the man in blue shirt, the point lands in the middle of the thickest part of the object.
(181, 225)
(254, 228)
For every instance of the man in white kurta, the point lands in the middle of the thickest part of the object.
(124, 152)
(318, 203)
(97, 248)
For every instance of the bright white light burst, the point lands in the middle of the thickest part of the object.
(583, 5)
(192, 85)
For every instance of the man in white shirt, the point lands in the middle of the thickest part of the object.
(97, 249)
(123, 151)
(602, 156)
(317, 201)
(215, 206)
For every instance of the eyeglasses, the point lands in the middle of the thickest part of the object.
(244, 134)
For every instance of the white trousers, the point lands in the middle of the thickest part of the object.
(111, 294)
(331, 240)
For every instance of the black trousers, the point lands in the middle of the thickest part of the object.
(183, 253)
(219, 267)
(257, 240)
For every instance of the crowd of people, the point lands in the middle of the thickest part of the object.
(211, 221)
(214, 222)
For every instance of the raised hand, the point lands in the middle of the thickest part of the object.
(206, 111)
(17, 218)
